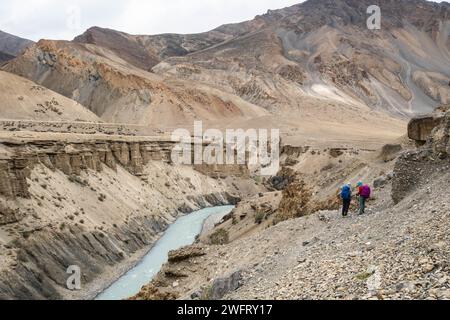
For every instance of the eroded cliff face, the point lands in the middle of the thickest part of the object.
(98, 204)
(73, 158)
(420, 128)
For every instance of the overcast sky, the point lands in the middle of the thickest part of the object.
(64, 19)
(58, 19)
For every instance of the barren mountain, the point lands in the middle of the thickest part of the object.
(324, 49)
(314, 70)
(146, 51)
(301, 69)
(5, 57)
(11, 46)
(119, 92)
(24, 100)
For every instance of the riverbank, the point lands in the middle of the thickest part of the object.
(103, 221)
(143, 267)
(109, 276)
(112, 274)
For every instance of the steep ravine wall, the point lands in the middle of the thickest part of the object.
(72, 158)
(95, 204)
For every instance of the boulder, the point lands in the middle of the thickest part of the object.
(420, 128)
(222, 286)
(186, 253)
(380, 182)
(390, 151)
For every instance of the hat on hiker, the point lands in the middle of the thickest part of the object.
(360, 184)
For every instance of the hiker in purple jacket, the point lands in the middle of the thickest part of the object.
(364, 194)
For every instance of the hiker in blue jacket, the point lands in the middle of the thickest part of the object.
(346, 195)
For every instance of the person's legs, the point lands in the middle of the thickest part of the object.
(362, 205)
(345, 207)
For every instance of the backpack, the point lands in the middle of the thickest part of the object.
(346, 193)
(365, 192)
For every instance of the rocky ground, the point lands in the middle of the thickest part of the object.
(399, 249)
(392, 252)
(396, 253)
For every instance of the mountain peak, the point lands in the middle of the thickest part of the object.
(11, 46)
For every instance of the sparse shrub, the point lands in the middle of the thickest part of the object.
(259, 217)
(76, 179)
(327, 167)
(364, 276)
(257, 180)
(277, 220)
(206, 293)
(101, 197)
(219, 237)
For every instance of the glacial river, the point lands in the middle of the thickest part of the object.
(181, 233)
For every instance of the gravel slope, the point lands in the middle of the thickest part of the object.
(393, 252)
(398, 253)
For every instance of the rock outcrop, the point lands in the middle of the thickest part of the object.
(222, 286)
(72, 158)
(389, 152)
(416, 167)
(420, 128)
(440, 140)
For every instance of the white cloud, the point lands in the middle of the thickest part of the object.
(56, 19)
